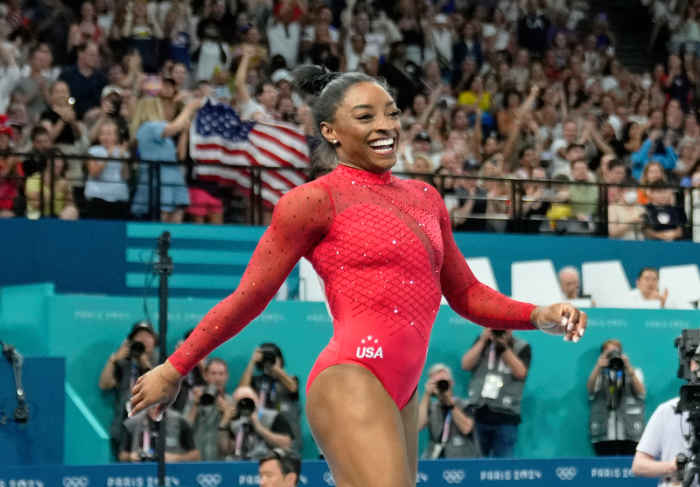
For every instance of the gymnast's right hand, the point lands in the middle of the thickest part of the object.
(159, 386)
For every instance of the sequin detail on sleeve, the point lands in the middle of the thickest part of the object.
(300, 220)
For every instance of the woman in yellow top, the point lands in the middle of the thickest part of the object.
(475, 94)
(63, 206)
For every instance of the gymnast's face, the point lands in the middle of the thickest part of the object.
(365, 128)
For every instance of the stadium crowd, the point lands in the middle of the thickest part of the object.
(530, 90)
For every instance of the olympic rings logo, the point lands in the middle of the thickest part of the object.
(566, 473)
(81, 481)
(328, 478)
(208, 479)
(453, 476)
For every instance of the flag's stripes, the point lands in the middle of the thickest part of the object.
(219, 140)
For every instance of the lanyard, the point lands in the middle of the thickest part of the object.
(446, 428)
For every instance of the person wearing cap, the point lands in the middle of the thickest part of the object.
(281, 468)
(134, 357)
(450, 427)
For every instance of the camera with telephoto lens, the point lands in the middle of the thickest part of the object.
(615, 361)
(443, 385)
(688, 345)
(136, 349)
(269, 357)
(245, 407)
(209, 395)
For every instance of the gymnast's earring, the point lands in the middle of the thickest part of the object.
(334, 142)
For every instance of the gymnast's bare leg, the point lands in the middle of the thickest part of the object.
(360, 429)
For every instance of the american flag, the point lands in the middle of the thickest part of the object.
(219, 139)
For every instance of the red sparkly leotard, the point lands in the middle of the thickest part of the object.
(385, 251)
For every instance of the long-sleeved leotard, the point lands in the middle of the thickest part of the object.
(385, 251)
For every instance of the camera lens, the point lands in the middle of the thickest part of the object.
(208, 396)
(615, 361)
(498, 333)
(136, 350)
(442, 385)
(245, 406)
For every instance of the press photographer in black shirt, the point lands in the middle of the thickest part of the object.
(276, 389)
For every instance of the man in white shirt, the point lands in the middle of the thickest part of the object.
(647, 294)
(664, 437)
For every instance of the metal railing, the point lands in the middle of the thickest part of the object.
(506, 206)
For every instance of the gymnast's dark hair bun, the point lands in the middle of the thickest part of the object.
(311, 78)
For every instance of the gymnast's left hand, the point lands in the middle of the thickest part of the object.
(158, 386)
(560, 319)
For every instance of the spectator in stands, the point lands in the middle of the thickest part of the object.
(560, 147)
(266, 93)
(583, 197)
(653, 173)
(276, 388)
(35, 86)
(450, 427)
(134, 357)
(625, 216)
(663, 220)
(206, 407)
(41, 187)
(153, 135)
(570, 282)
(139, 438)
(281, 468)
(11, 174)
(106, 189)
(534, 203)
(616, 394)
(11, 74)
(468, 213)
(646, 294)
(84, 80)
(655, 148)
(142, 31)
(499, 364)
(247, 431)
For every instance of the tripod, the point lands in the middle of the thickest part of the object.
(164, 267)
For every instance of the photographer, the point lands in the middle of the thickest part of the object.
(140, 437)
(206, 406)
(277, 389)
(134, 357)
(672, 433)
(450, 428)
(248, 431)
(616, 393)
(499, 363)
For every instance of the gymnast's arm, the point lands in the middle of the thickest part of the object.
(486, 307)
(300, 220)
